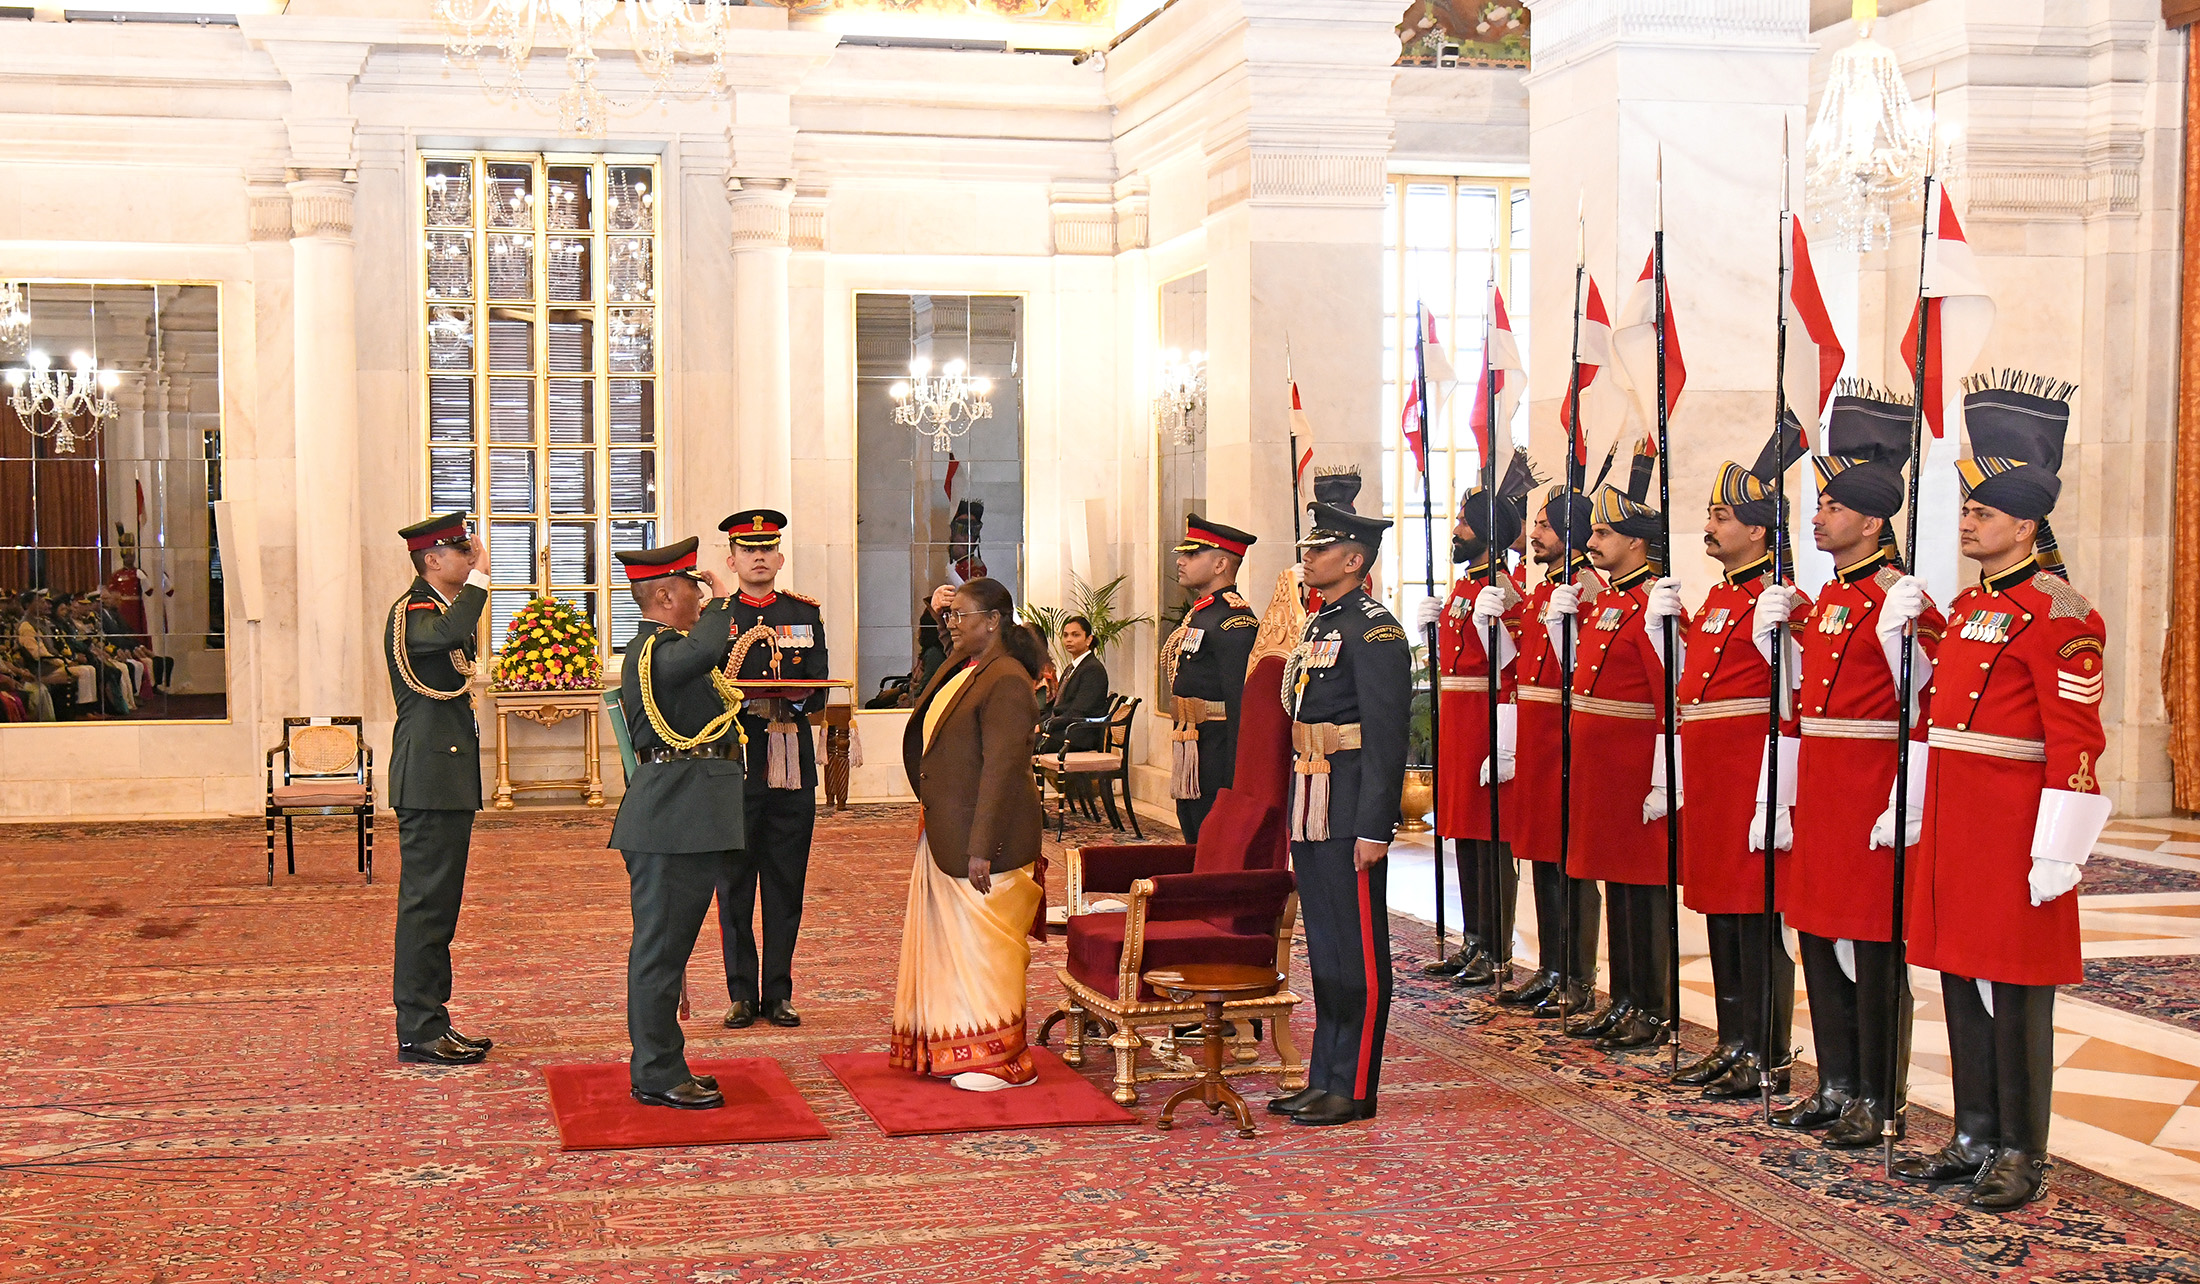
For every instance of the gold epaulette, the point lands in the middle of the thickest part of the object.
(1235, 599)
(801, 597)
(2064, 602)
(1886, 577)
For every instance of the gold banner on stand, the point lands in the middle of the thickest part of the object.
(2181, 657)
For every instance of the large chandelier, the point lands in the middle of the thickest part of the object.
(1869, 145)
(1180, 400)
(942, 406)
(67, 405)
(15, 319)
(660, 32)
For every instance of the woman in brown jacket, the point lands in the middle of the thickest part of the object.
(959, 998)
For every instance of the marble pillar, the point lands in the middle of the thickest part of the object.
(762, 410)
(1711, 83)
(331, 623)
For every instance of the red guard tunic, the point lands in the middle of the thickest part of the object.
(1463, 688)
(1533, 794)
(1726, 703)
(1839, 885)
(1619, 690)
(2016, 709)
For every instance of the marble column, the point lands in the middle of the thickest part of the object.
(762, 407)
(331, 619)
(1710, 83)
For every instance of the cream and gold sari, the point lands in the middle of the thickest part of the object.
(959, 997)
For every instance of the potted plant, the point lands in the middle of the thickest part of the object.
(1419, 795)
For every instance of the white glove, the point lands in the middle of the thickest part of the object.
(1665, 600)
(1905, 602)
(2062, 838)
(1654, 807)
(1425, 614)
(1914, 826)
(1775, 607)
(1559, 613)
(1489, 607)
(1508, 739)
(1783, 809)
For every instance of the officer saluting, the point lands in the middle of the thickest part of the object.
(435, 778)
(777, 634)
(1349, 686)
(1204, 664)
(681, 820)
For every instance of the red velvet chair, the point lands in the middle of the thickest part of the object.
(1232, 899)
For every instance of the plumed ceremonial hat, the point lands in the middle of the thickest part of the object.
(1867, 443)
(1748, 491)
(435, 532)
(2017, 423)
(755, 527)
(644, 565)
(1338, 485)
(1332, 524)
(1561, 506)
(1512, 503)
(1628, 511)
(1201, 534)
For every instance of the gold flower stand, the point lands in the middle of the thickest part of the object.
(549, 708)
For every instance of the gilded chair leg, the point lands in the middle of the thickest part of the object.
(1074, 1053)
(1293, 1075)
(1244, 1044)
(1125, 1042)
(1046, 1027)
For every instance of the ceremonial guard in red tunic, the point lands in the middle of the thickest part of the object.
(1725, 711)
(1488, 882)
(1565, 909)
(2012, 800)
(1839, 892)
(1618, 834)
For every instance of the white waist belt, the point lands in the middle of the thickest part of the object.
(1445, 683)
(1745, 707)
(1852, 728)
(2014, 748)
(1538, 695)
(1614, 708)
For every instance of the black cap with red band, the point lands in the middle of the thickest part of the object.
(1201, 534)
(434, 532)
(644, 565)
(755, 527)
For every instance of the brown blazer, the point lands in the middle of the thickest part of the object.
(975, 781)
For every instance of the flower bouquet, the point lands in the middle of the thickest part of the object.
(550, 646)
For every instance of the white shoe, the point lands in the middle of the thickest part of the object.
(972, 1081)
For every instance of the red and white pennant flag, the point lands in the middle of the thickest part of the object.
(1635, 348)
(1962, 313)
(1594, 353)
(1812, 371)
(1503, 363)
(1302, 429)
(1435, 370)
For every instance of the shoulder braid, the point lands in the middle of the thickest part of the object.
(2064, 602)
(402, 657)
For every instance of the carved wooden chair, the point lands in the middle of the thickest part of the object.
(327, 770)
(1107, 768)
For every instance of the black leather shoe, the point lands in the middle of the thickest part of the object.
(782, 1013)
(1710, 1065)
(1597, 1024)
(2012, 1180)
(708, 1081)
(742, 1016)
(1448, 966)
(1480, 970)
(442, 1051)
(470, 1041)
(1577, 998)
(1814, 1111)
(1332, 1110)
(1637, 1029)
(1537, 989)
(1745, 1078)
(691, 1095)
(1859, 1126)
(1296, 1102)
(1962, 1159)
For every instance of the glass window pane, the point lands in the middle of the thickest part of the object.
(1474, 290)
(633, 481)
(626, 617)
(450, 265)
(511, 194)
(572, 412)
(511, 481)
(503, 605)
(450, 193)
(1520, 218)
(632, 269)
(572, 341)
(572, 198)
(632, 204)
(511, 340)
(450, 408)
(1428, 216)
(570, 269)
(450, 480)
(1428, 280)
(512, 410)
(573, 481)
(627, 537)
(512, 552)
(633, 340)
(633, 411)
(1477, 218)
(450, 338)
(511, 267)
(1390, 216)
(572, 552)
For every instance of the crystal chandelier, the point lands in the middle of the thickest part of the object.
(942, 406)
(69, 406)
(1180, 402)
(1869, 145)
(15, 319)
(660, 32)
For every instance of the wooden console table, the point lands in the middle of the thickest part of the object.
(549, 708)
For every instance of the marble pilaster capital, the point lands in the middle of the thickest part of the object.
(1133, 203)
(1569, 29)
(806, 221)
(761, 209)
(320, 205)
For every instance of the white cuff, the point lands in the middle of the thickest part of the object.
(1508, 729)
(1656, 629)
(1920, 758)
(2069, 823)
(1657, 764)
(1790, 748)
(1921, 665)
(477, 578)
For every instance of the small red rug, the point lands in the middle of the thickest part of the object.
(913, 1105)
(596, 1109)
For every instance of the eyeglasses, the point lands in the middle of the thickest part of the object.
(951, 615)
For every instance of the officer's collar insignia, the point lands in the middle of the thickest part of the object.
(765, 600)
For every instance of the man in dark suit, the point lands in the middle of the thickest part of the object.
(682, 818)
(1084, 695)
(1203, 664)
(778, 634)
(435, 778)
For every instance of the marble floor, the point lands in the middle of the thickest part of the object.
(2127, 1087)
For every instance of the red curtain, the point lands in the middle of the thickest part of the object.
(52, 511)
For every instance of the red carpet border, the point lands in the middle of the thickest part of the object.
(199, 1086)
(907, 1105)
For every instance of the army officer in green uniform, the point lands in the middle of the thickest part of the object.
(435, 778)
(683, 817)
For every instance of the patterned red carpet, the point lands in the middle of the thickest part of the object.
(198, 1084)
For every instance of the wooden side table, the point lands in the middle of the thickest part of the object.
(549, 708)
(1213, 984)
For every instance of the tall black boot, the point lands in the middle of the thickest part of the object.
(1619, 927)
(1833, 1032)
(1502, 892)
(2024, 1074)
(1475, 869)
(1766, 1053)
(1729, 990)
(1883, 1012)
(1650, 956)
(1550, 901)
(1452, 963)
(1971, 1069)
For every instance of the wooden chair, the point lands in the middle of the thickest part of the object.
(1106, 768)
(328, 770)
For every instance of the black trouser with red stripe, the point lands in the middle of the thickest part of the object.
(1347, 920)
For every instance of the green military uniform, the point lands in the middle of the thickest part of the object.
(682, 817)
(435, 787)
(1203, 664)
